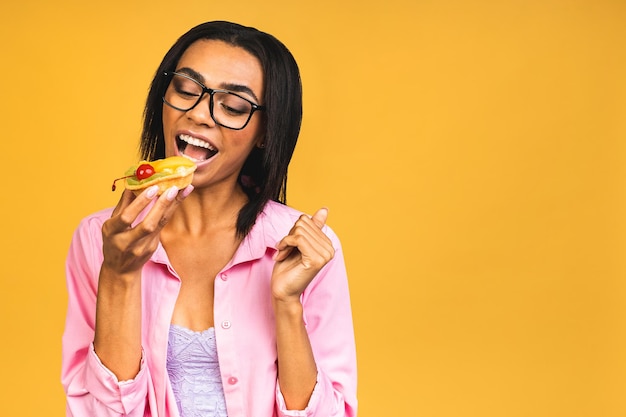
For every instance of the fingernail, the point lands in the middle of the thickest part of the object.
(171, 193)
(152, 191)
(187, 191)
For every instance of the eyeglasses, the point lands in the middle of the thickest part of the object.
(227, 109)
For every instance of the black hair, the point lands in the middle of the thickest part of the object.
(263, 176)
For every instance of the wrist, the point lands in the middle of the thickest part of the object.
(290, 306)
(114, 279)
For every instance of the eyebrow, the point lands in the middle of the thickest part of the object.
(236, 88)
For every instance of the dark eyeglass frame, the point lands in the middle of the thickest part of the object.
(206, 90)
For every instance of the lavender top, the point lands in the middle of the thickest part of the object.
(195, 372)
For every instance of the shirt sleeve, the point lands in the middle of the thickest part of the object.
(328, 320)
(91, 389)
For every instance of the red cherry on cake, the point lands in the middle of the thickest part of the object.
(143, 171)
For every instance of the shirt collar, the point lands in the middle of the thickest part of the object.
(262, 237)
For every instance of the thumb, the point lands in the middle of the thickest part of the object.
(320, 216)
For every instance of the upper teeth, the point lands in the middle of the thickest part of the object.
(196, 142)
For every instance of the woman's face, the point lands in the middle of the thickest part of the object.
(219, 152)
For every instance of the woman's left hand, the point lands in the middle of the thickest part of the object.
(301, 255)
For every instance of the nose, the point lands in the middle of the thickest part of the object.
(201, 112)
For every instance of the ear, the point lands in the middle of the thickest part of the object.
(260, 142)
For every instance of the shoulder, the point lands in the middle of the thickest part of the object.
(89, 229)
(277, 220)
(95, 220)
(277, 212)
(85, 251)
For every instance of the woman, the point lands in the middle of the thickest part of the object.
(216, 299)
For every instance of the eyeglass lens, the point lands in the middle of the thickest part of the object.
(227, 109)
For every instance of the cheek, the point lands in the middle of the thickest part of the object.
(256, 132)
(249, 136)
(243, 143)
(167, 118)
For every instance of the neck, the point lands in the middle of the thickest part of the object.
(208, 209)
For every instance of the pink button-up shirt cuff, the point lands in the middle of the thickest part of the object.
(323, 389)
(121, 396)
(282, 407)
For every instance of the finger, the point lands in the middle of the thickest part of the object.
(309, 241)
(129, 208)
(320, 216)
(312, 253)
(163, 209)
(306, 226)
(313, 227)
(185, 192)
(126, 198)
(283, 254)
(175, 198)
(303, 226)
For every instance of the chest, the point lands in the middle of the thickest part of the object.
(197, 262)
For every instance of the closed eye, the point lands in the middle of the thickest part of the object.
(233, 111)
(186, 93)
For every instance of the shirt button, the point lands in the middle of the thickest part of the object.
(232, 380)
(224, 277)
(225, 324)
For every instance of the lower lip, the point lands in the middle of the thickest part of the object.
(202, 163)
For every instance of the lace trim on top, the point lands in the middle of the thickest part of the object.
(195, 373)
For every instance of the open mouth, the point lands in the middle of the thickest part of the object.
(195, 149)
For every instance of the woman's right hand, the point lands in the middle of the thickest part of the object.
(127, 247)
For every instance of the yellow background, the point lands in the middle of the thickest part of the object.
(472, 155)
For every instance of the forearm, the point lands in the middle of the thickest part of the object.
(117, 340)
(297, 370)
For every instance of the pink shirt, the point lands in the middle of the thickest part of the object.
(244, 326)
